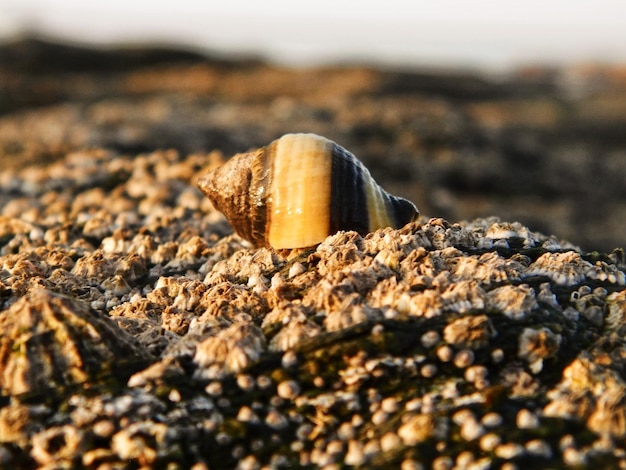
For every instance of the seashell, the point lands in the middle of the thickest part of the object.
(299, 189)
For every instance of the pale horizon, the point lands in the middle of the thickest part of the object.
(482, 34)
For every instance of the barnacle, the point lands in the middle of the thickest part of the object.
(562, 268)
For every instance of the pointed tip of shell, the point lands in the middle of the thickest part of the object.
(217, 178)
(226, 181)
(236, 189)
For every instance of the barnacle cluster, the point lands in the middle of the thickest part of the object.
(50, 341)
(138, 332)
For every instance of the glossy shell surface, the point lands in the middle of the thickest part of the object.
(299, 189)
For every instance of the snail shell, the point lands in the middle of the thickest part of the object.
(299, 189)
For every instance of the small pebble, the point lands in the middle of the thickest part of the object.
(492, 419)
(214, 388)
(497, 356)
(345, 431)
(276, 420)
(430, 339)
(263, 382)
(296, 269)
(379, 417)
(354, 456)
(471, 430)
(390, 441)
(573, 457)
(508, 451)
(489, 442)
(442, 463)
(526, 419)
(389, 405)
(246, 415)
(318, 381)
(428, 370)
(464, 459)
(464, 358)
(410, 464)
(540, 448)
(371, 448)
(289, 359)
(245, 382)
(248, 463)
(445, 353)
(288, 389)
(334, 447)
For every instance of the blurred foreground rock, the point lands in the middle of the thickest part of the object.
(139, 333)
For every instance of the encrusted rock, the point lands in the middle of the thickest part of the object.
(433, 345)
(232, 349)
(50, 341)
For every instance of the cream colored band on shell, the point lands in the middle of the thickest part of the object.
(300, 191)
(378, 209)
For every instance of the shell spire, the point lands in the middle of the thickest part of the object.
(299, 189)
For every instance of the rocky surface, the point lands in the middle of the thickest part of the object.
(545, 147)
(137, 331)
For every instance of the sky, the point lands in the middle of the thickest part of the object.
(479, 33)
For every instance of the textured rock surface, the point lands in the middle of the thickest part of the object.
(51, 342)
(138, 332)
(146, 335)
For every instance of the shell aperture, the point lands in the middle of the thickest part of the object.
(299, 189)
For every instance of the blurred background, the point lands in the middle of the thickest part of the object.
(488, 34)
(470, 109)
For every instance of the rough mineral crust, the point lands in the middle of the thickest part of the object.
(138, 332)
(49, 341)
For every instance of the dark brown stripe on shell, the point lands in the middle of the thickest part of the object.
(403, 211)
(348, 207)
